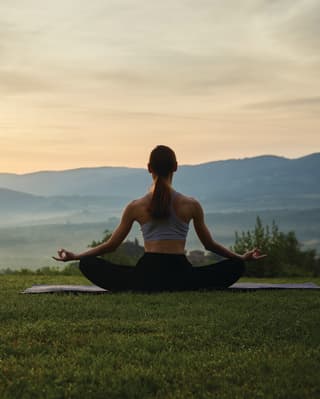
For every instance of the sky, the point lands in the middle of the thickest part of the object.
(101, 82)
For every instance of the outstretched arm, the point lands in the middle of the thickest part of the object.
(117, 237)
(211, 245)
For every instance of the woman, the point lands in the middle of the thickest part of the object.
(164, 216)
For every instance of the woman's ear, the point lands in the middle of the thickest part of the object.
(149, 168)
(175, 167)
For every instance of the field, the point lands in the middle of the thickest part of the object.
(263, 344)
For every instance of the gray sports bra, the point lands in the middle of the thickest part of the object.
(171, 228)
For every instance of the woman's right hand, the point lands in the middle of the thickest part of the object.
(254, 254)
(64, 255)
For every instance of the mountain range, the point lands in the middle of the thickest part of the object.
(264, 182)
(258, 174)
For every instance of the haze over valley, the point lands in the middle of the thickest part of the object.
(45, 210)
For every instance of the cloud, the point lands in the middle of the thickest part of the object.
(185, 48)
(8, 38)
(184, 73)
(16, 82)
(286, 103)
(300, 29)
(124, 114)
(123, 77)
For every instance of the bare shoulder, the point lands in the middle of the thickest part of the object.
(134, 204)
(187, 207)
(191, 201)
(142, 201)
(137, 209)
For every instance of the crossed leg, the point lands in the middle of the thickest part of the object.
(108, 275)
(219, 275)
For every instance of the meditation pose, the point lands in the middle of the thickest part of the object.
(164, 216)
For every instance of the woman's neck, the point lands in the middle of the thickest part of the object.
(168, 181)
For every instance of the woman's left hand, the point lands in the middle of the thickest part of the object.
(64, 256)
(254, 254)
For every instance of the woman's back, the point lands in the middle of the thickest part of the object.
(166, 235)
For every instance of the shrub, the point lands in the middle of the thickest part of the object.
(285, 254)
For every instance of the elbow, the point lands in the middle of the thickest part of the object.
(111, 246)
(208, 247)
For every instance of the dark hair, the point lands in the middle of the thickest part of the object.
(162, 163)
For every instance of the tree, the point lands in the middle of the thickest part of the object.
(285, 254)
(127, 253)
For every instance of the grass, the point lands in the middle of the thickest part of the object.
(263, 344)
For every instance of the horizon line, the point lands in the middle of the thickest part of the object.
(144, 167)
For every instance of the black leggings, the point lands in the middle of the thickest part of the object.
(161, 272)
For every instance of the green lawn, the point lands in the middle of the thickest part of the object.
(263, 344)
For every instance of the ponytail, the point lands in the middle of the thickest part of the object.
(162, 164)
(161, 198)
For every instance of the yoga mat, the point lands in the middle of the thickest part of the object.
(268, 286)
(92, 289)
(78, 289)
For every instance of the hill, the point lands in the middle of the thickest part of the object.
(83, 195)
(258, 176)
(12, 199)
(18, 208)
